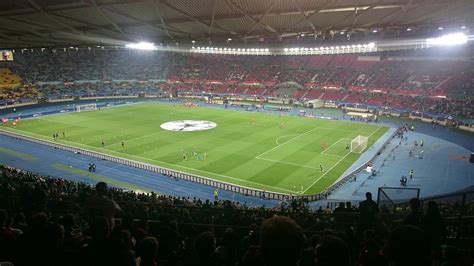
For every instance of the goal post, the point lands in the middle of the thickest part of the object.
(359, 144)
(391, 198)
(86, 107)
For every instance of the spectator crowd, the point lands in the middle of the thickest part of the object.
(417, 84)
(52, 221)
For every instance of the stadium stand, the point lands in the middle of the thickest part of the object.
(427, 86)
(370, 63)
(47, 221)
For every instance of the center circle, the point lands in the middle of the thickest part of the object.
(188, 125)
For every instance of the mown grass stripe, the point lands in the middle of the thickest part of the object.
(98, 178)
(17, 154)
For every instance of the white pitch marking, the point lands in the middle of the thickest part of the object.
(286, 142)
(282, 162)
(323, 152)
(174, 165)
(278, 143)
(335, 164)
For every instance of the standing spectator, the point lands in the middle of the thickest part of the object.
(368, 210)
(432, 223)
(102, 205)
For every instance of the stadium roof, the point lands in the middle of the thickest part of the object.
(34, 23)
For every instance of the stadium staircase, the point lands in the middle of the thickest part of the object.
(448, 80)
(285, 91)
(345, 97)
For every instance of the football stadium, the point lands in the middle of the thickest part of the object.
(237, 132)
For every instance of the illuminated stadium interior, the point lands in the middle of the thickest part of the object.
(236, 132)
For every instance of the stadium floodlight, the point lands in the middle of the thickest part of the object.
(440, 28)
(285, 49)
(375, 31)
(463, 27)
(408, 29)
(141, 46)
(371, 45)
(267, 50)
(458, 38)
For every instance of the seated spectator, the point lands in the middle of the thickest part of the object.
(281, 241)
(371, 255)
(340, 208)
(408, 246)
(414, 216)
(205, 246)
(332, 251)
(432, 223)
(147, 252)
(8, 239)
(102, 205)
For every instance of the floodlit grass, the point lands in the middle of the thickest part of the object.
(259, 154)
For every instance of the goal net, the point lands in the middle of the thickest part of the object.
(391, 198)
(86, 107)
(359, 144)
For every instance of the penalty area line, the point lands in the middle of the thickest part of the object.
(319, 178)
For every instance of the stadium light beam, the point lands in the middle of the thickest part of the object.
(452, 39)
(141, 46)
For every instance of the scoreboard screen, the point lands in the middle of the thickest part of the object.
(7, 55)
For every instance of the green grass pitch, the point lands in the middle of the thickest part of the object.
(246, 148)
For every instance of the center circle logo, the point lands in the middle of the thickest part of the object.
(188, 125)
